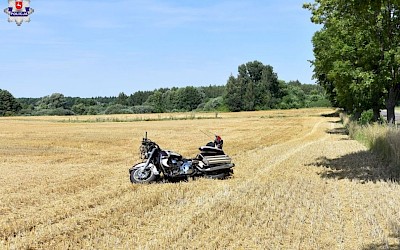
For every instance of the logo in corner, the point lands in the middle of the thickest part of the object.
(18, 11)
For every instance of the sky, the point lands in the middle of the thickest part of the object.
(102, 48)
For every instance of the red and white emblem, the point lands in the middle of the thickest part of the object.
(18, 5)
(18, 11)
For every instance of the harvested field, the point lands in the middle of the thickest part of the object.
(299, 183)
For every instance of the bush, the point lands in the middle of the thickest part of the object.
(367, 117)
(25, 112)
(95, 110)
(212, 104)
(142, 109)
(79, 109)
(283, 105)
(319, 103)
(380, 139)
(6, 113)
(394, 141)
(384, 141)
(118, 109)
(53, 112)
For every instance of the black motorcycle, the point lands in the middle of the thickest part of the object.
(167, 165)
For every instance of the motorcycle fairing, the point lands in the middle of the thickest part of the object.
(142, 165)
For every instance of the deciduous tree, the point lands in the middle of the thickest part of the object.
(357, 54)
(8, 104)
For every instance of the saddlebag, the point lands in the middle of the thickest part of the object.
(215, 162)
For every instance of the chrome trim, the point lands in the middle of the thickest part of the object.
(220, 167)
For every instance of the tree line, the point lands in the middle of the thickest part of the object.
(256, 87)
(357, 54)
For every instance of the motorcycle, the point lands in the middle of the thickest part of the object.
(159, 164)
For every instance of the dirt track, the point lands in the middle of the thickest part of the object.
(299, 184)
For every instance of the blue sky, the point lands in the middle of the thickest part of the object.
(102, 48)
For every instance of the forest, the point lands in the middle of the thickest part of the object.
(256, 87)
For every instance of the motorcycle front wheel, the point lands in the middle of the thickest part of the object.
(142, 176)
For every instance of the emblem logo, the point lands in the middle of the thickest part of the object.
(18, 11)
(18, 5)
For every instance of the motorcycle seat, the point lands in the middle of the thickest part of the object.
(208, 148)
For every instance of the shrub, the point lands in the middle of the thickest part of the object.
(284, 105)
(367, 117)
(79, 109)
(142, 109)
(394, 141)
(319, 103)
(212, 104)
(53, 112)
(25, 112)
(94, 110)
(118, 109)
(384, 141)
(380, 139)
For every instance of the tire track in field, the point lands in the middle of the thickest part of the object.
(241, 191)
(279, 127)
(295, 150)
(277, 149)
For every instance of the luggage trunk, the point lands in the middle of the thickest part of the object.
(213, 159)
